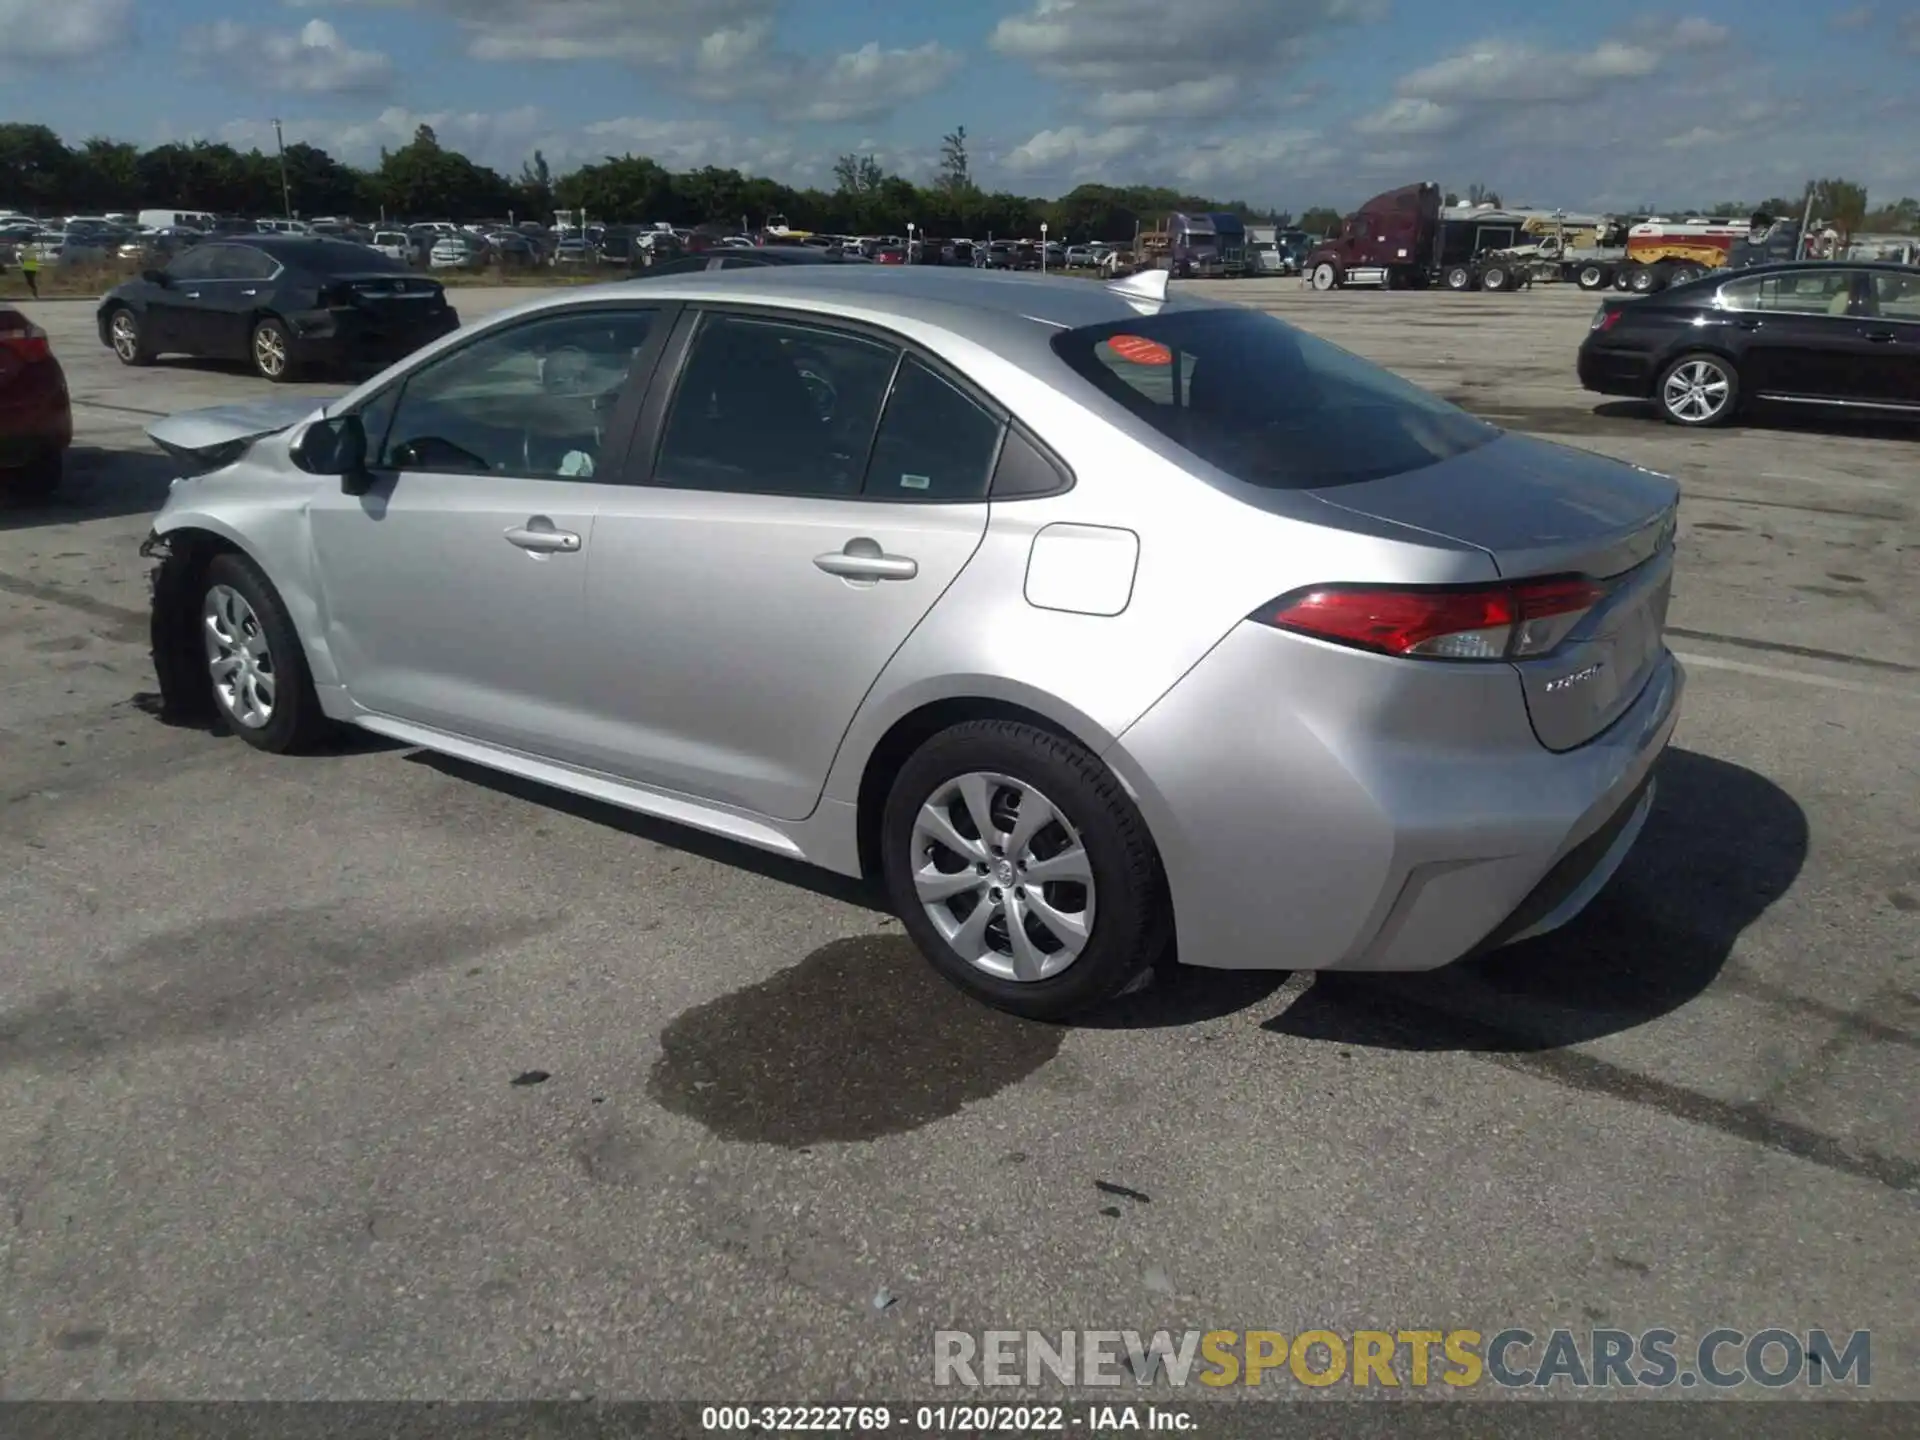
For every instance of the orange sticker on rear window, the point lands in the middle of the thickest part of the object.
(1138, 350)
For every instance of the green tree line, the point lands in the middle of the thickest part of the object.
(426, 180)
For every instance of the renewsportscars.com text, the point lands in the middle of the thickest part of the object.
(1722, 1358)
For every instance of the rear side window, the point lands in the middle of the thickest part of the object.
(934, 442)
(1268, 404)
(1796, 292)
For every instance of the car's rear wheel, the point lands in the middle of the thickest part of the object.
(1698, 391)
(128, 338)
(255, 664)
(1022, 870)
(1325, 277)
(271, 351)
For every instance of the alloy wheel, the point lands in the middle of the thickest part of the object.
(1697, 391)
(270, 351)
(245, 679)
(1004, 877)
(125, 331)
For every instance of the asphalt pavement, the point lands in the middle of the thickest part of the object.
(370, 1075)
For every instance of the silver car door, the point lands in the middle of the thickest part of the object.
(740, 606)
(453, 587)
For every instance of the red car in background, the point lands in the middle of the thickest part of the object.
(36, 416)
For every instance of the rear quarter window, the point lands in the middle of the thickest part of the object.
(1266, 403)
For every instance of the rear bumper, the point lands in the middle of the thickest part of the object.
(1616, 372)
(35, 421)
(336, 338)
(1321, 809)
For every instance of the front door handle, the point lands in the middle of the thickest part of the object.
(1749, 324)
(1880, 337)
(193, 294)
(249, 292)
(863, 559)
(539, 536)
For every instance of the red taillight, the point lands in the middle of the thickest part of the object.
(1494, 622)
(1604, 321)
(24, 338)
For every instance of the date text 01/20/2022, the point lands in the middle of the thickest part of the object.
(943, 1419)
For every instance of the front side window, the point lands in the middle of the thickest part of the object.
(769, 408)
(1792, 292)
(1269, 404)
(533, 400)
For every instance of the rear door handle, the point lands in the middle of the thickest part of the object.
(863, 559)
(1749, 324)
(249, 292)
(539, 536)
(1880, 337)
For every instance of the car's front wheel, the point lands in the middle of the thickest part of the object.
(271, 351)
(1699, 390)
(1022, 869)
(255, 663)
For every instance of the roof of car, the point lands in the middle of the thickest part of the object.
(1774, 267)
(979, 305)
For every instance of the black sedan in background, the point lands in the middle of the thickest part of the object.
(282, 303)
(1807, 333)
(742, 258)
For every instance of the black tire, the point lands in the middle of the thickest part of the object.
(295, 721)
(1459, 277)
(1593, 277)
(1326, 276)
(1713, 370)
(1622, 278)
(1132, 923)
(1495, 277)
(35, 482)
(270, 338)
(127, 337)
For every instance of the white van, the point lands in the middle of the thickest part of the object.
(176, 220)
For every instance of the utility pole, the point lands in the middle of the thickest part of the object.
(286, 190)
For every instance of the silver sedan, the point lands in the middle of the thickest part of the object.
(1089, 620)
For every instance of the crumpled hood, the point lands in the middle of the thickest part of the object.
(225, 429)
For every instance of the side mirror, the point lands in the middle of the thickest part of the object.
(156, 277)
(336, 446)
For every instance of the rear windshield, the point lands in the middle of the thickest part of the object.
(1268, 404)
(337, 257)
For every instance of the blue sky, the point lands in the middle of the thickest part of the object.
(1283, 102)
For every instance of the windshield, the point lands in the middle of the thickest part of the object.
(1268, 404)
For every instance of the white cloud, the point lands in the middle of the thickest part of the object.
(1073, 150)
(1507, 73)
(1172, 61)
(720, 50)
(1410, 116)
(312, 61)
(52, 32)
(1695, 33)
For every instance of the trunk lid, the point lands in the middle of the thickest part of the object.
(389, 297)
(207, 439)
(1543, 509)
